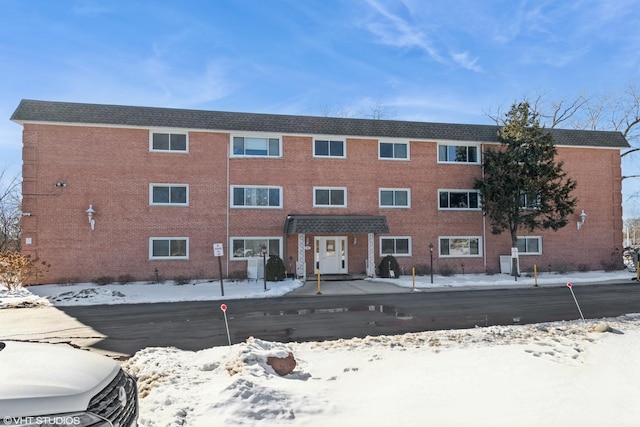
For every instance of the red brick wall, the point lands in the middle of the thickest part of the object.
(111, 168)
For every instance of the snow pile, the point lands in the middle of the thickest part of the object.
(552, 374)
(144, 292)
(20, 298)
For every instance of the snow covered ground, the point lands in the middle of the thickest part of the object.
(555, 374)
(144, 292)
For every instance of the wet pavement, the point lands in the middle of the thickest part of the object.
(346, 287)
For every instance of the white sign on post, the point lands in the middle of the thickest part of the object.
(217, 249)
(514, 252)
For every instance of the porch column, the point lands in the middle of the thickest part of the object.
(371, 266)
(301, 265)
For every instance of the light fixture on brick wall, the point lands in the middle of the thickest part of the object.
(92, 221)
(582, 216)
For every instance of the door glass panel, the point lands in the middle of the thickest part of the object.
(330, 248)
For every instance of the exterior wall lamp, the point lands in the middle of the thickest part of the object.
(92, 221)
(582, 216)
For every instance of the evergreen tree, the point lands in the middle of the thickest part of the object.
(523, 187)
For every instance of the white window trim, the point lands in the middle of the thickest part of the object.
(478, 255)
(396, 159)
(162, 184)
(538, 238)
(152, 239)
(329, 188)
(231, 239)
(381, 238)
(381, 206)
(459, 190)
(169, 131)
(329, 138)
(255, 135)
(459, 144)
(270, 187)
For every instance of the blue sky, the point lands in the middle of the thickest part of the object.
(443, 61)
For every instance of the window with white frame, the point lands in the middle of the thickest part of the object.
(256, 197)
(169, 248)
(250, 247)
(169, 194)
(329, 148)
(396, 246)
(395, 198)
(529, 245)
(458, 199)
(458, 154)
(168, 141)
(251, 146)
(460, 246)
(393, 150)
(529, 201)
(329, 197)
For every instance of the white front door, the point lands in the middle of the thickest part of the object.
(331, 255)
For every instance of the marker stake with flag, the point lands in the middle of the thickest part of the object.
(570, 286)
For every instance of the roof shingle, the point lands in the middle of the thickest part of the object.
(121, 115)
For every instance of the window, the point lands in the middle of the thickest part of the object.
(256, 197)
(327, 197)
(328, 148)
(450, 199)
(169, 248)
(168, 141)
(530, 201)
(169, 194)
(395, 198)
(391, 150)
(530, 245)
(397, 246)
(256, 147)
(250, 247)
(460, 247)
(458, 154)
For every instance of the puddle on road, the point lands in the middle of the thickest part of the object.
(386, 309)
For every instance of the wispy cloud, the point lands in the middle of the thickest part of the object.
(395, 31)
(413, 33)
(464, 60)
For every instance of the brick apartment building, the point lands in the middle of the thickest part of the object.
(112, 190)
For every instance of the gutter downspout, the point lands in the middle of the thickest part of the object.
(484, 217)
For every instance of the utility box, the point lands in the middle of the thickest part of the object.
(255, 269)
(506, 263)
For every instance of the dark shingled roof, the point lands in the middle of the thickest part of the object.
(120, 115)
(313, 224)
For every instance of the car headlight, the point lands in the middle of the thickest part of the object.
(80, 419)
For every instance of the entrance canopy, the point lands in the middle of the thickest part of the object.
(335, 224)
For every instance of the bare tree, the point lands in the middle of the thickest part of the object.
(10, 212)
(610, 111)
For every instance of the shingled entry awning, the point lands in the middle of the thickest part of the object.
(335, 224)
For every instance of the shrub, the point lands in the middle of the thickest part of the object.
(388, 264)
(126, 278)
(423, 270)
(16, 268)
(104, 280)
(447, 270)
(238, 275)
(583, 268)
(275, 270)
(181, 280)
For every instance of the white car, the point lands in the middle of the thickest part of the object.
(57, 385)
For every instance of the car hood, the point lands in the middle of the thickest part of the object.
(43, 379)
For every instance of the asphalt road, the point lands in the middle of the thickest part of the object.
(198, 325)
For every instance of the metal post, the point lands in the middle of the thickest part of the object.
(431, 261)
(264, 266)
